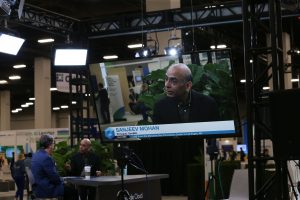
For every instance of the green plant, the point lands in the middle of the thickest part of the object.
(63, 152)
(211, 79)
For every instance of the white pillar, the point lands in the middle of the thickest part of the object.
(42, 84)
(5, 110)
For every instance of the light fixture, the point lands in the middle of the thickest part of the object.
(110, 57)
(19, 66)
(64, 107)
(31, 99)
(24, 105)
(74, 102)
(221, 46)
(70, 57)
(14, 77)
(69, 54)
(294, 80)
(56, 108)
(14, 111)
(145, 52)
(53, 89)
(45, 40)
(3, 81)
(135, 46)
(243, 80)
(213, 47)
(10, 44)
(266, 88)
(173, 50)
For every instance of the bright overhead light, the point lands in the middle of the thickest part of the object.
(31, 99)
(74, 102)
(64, 106)
(19, 66)
(266, 88)
(46, 40)
(70, 57)
(14, 111)
(3, 81)
(243, 80)
(29, 103)
(19, 109)
(295, 80)
(135, 46)
(109, 57)
(10, 44)
(14, 77)
(221, 46)
(53, 89)
(56, 108)
(212, 47)
(24, 105)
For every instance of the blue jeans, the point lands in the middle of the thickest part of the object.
(20, 182)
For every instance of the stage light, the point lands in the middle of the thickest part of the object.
(10, 44)
(145, 52)
(70, 56)
(172, 51)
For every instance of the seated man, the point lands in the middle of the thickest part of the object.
(85, 157)
(48, 183)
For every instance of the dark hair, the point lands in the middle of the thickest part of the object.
(46, 140)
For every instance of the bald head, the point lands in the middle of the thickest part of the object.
(183, 70)
(85, 145)
(178, 82)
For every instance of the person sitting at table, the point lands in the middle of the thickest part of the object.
(85, 157)
(48, 183)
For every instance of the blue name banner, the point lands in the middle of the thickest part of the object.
(171, 130)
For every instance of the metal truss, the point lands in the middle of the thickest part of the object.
(257, 75)
(229, 12)
(45, 20)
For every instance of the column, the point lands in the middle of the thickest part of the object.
(163, 37)
(5, 110)
(42, 84)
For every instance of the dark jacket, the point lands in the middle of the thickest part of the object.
(78, 161)
(202, 109)
(48, 183)
(19, 168)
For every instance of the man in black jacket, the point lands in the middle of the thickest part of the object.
(182, 104)
(85, 157)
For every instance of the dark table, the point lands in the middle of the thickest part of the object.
(138, 186)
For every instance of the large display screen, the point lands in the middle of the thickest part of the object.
(143, 110)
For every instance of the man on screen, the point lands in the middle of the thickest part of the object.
(182, 104)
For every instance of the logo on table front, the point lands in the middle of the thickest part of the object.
(136, 196)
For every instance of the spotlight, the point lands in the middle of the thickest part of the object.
(145, 52)
(172, 51)
(10, 44)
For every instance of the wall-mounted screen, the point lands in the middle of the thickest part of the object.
(149, 110)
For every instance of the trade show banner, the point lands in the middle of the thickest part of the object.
(62, 82)
(115, 96)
